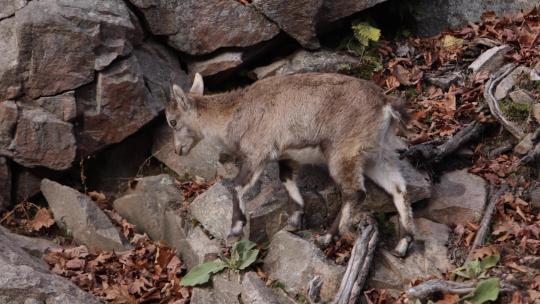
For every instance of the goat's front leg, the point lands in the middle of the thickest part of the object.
(245, 179)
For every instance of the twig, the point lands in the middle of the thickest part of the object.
(494, 195)
(430, 287)
(494, 104)
(359, 264)
(433, 152)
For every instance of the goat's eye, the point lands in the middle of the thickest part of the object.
(173, 123)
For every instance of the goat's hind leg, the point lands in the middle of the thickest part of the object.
(347, 171)
(287, 174)
(245, 179)
(385, 173)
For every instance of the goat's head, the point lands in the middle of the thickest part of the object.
(180, 114)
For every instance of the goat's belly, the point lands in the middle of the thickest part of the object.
(310, 155)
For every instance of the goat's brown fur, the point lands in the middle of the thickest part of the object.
(349, 120)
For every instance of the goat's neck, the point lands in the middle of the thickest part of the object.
(215, 112)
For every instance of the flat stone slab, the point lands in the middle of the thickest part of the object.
(81, 216)
(460, 197)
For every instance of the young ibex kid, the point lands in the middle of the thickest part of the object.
(347, 123)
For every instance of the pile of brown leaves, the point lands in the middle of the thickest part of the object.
(29, 219)
(148, 273)
(439, 113)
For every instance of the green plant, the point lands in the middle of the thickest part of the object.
(243, 254)
(487, 290)
(477, 268)
(365, 33)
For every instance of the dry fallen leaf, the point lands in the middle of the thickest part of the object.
(42, 219)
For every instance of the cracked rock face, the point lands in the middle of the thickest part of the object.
(202, 26)
(55, 46)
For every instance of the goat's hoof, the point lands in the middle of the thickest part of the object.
(401, 248)
(295, 222)
(323, 241)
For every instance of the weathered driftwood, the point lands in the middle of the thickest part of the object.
(494, 195)
(493, 104)
(433, 152)
(359, 263)
(426, 289)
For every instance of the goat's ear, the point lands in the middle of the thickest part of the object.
(198, 85)
(180, 98)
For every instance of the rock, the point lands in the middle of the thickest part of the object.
(536, 111)
(525, 145)
(159, 66)
(216, 64)
(41, 139)
(191, 242)
(5, 184)
(391, 272)
(81, 216)
(304, 61)
(335, 10)
(26, 184)
(296, 18)
(508, 83)
(63, 105)
(201, 161)
(9, 7)
(295, 261)
(460, 197)
(10, 78)
(9, 113)
(433, 16)
(535, 196)
(267, 205)
(521, 96)
(490, 60)
(36, 247)
(145, 203)
(117, 106)
(444, 81)
(200, 27)
(46, 55)
(26, 278)
(224, 288)
(255, 291)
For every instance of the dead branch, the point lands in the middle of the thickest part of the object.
(426, 289)
(359, 264)
(434, 152)
(494, 195)
(493, 104)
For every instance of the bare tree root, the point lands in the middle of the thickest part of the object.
(493, 104)
(494, 195)
(433, 152)
(426, 289)
(359, 263)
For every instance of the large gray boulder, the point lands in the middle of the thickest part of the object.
(459, 198)
(433, 16)
(41, 139)
(304, 61)
(296, 18)
(5, 184)
(145, 203)
(26, 278)
(267, 205)
(295, 261)
(45, 54)
(200, 27)
(80, 215)
(431, 259)
(334, 10)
